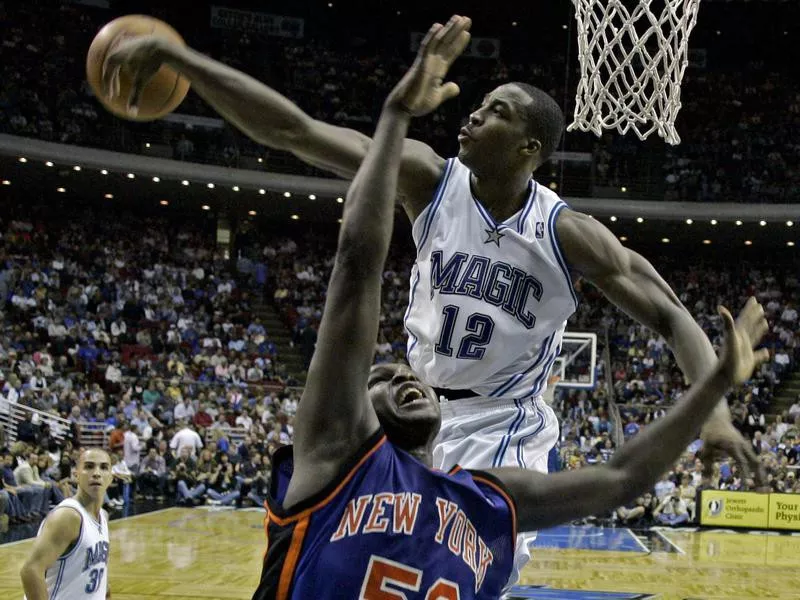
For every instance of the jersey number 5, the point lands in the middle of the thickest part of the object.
(384, 574)
(473, 345)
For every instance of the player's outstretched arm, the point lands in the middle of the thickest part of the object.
(628, 280)
(266, 116)
(546, 500)
(334, 417)
(61, 529)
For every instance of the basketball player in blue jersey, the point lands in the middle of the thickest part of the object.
(497, 254)
(69, 559)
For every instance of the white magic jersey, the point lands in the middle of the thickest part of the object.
(82, 573)
(489, 301)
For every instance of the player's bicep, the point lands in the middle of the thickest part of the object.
(341, 150)
(60, 531)
(548, 500)
(625, 277)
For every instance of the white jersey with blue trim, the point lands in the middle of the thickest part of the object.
(82, 572)
(489, 301)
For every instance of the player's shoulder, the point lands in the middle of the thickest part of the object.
(64, 520)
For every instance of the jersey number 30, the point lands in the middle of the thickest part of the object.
(385, 578)
(473, 345)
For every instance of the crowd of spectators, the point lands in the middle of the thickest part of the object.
(129, 328)
(736, 126)
(645, 381)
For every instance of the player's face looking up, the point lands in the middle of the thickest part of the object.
(407, 409)
(497, 136)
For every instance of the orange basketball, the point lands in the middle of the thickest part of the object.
(165, 91)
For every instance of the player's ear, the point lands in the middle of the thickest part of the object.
(532, 147)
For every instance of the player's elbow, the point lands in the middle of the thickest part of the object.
(621, 485)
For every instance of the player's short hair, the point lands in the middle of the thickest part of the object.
(85, 451)
(545, 118)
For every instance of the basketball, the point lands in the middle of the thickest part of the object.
(165, 91)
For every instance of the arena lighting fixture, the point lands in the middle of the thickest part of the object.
(156, 179)
(164, 203)
(789, 223)
(330, 4)
(748, 243)
(261, 160)
(295, 217)
(76, 168)
(147, 145)
(103, 172)
(713, 221)
(639, 220)
(211, 186)
(252, 213)
(22, 159)
(665, 240)
(623, 189)
(131, 176)
(262, 191)
(340, 200)
(185, 182)
(790, 243)
(689, 221)
(622, 238)
(338, 220)
(109, 196)
(61, 190)
(236, 188)
(312, 197)
(287, 194)
(48, 164)
(6, 182)
(706, 242)
(762, 223)
(553, 185)
(738, 223)
(613, 219)
(564, 27)
(206, 207)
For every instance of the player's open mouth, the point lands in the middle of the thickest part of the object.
(409, 394)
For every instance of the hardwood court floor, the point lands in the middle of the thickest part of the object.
(183, 554)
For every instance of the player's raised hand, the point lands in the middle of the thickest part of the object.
(738, 357)
(138, 55)
(422, 89)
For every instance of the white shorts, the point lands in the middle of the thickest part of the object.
(486, 433)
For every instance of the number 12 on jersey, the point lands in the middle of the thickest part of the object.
(473, 345)
(385, 578)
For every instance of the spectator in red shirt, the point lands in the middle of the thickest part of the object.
(202, 418)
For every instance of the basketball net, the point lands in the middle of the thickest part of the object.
(632, 62)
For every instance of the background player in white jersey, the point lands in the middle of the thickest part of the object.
(69, 559)
(497, 256)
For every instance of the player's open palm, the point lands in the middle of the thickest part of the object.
(739, 359)
(422, 89)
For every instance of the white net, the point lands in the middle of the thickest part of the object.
(632, 57)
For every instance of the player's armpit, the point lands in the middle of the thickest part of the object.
(548, 500)
(61, 529)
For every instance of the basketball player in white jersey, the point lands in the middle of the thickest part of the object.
(497, 255)
(69, 560)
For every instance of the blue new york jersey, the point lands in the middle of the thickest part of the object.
(389, 525)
